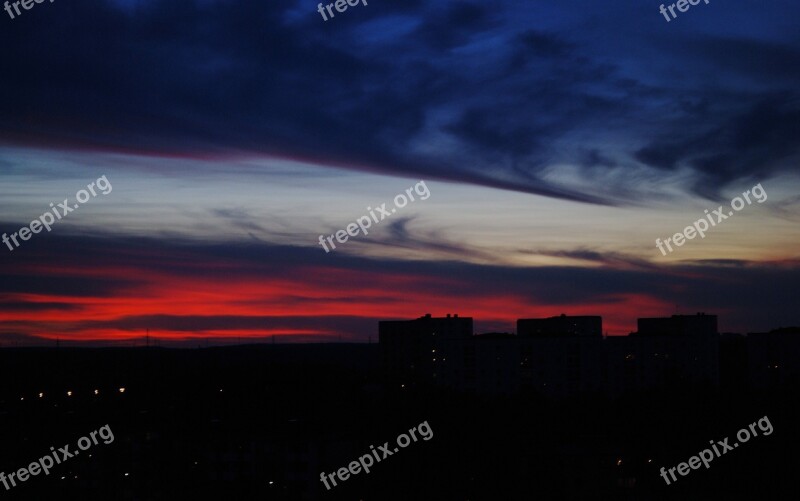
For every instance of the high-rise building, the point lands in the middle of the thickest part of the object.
(668, 351)
(581, 326)
(678, 325)
(773, 358)
(413, 350)
(561, 355)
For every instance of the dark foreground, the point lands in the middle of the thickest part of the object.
(263, 422)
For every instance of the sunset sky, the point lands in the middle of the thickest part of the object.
(558, 141)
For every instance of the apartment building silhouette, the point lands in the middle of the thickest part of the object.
(557, 356)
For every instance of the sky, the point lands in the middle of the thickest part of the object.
(557, 142)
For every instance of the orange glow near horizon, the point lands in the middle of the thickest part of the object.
(311, 293)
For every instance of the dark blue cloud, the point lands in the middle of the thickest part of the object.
(491, 94)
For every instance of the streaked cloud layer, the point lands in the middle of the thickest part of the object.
(117, 288)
